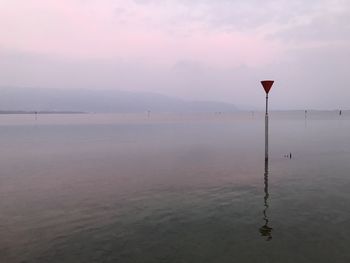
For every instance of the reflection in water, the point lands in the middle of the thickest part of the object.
(265, 230)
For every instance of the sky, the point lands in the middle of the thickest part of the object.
(215, 50)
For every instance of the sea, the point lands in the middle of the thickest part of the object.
(177, 188)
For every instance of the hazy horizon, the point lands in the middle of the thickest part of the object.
(135, 131)
(30, 99)
(195, 50)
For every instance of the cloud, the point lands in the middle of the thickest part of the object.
(198, 49)
(161, 33)
(324, 27)
(236, 14)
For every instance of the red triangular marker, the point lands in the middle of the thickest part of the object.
(267, 84)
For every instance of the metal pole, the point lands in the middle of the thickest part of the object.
(266, 130)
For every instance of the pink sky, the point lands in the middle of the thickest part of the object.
(228, 41)
(127, 30)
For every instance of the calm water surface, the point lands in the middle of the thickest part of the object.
(174, 188)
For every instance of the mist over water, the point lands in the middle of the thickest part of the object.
(175, 188)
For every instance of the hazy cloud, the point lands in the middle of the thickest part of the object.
(197, 49)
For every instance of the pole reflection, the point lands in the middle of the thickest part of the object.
(265, 230)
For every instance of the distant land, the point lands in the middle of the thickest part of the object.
(39, 112)
(47, 100)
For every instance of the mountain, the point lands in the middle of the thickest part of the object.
(77, 100)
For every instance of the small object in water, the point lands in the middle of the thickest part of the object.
(289, 155)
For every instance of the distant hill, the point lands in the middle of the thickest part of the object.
(80, 100)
